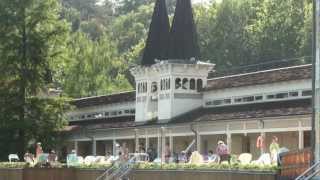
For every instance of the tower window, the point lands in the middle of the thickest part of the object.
(192, 84)
(178, 83)
(199, 85)
(185, 83)
(154, 87)
(161, 84)
(144, 87)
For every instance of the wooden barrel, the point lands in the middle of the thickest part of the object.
(295, 163)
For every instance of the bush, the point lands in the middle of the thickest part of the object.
(210, 166)
(93, 166)
(157, 166)
(13, 165)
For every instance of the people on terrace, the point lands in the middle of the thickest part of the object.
(223, 152)
(124, 152)
(39, 150)
(167, 153)
(274, 149)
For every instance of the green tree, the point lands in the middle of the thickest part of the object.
(33, 37)
(93, 68)
(129, 29)
(222, 32)
(279, 31)
(127, 6)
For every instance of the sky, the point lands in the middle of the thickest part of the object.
(193, 1)
(200, 1)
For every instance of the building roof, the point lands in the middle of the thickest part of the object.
(255, 78)
(158, 38)
(106, 123)
(183, 35)
(261, 77)
(128, 96)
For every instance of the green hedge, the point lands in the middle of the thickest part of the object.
(6, 165)
(156, 166)
(210, 166)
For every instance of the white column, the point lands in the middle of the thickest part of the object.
(159, 144)
(301, 136)
(76, 146)
(163, 144)
(136, 139)
(147, 140)
(171, 142)
(198, 143)
(316, 85)
(114, 148)
(198, 140)
(245, 128)
(94, 147)
(229, 138)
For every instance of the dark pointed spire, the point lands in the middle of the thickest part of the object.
(183, 33)
(158, 38)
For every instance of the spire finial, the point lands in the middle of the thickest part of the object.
(158, 37)
(183, 35)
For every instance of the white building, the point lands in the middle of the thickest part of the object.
(174, 98)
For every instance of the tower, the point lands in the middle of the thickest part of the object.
(170, 78)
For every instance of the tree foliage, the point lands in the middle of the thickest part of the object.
(93, 67)
(32, 38)
(86, 47)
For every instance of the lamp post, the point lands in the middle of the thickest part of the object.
(316, 81)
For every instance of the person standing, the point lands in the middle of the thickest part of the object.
(52, 158)
(124, 152)
(223, 152)
(167, 153)
(274, 149)
(211, 156)
(260, 144)
(39, 150)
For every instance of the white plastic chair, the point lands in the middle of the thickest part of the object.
(89, 160)
(245, 158)
(13, 157)
(264, 159)
(214, 159)
(80, 160)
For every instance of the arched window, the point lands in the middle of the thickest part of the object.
(154, 87)
(145, 88)
(199, 85)
(178, 83)
(185, 83)
(192, 84)
(161, 84)
(168, 83)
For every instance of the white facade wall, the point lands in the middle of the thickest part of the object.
(167, 103)
(305, 84)
(100, 109)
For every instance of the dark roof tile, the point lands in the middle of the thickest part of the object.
(106, 99)
(262, 77)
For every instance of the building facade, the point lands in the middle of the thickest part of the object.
(175, 103)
